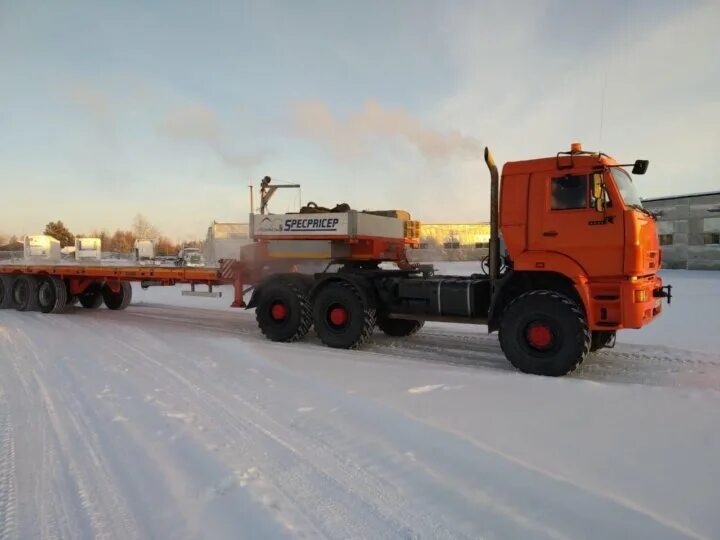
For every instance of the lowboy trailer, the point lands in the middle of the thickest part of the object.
(581, 261)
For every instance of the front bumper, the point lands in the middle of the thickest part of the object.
(643, 301)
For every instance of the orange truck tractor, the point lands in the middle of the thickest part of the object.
(581, 260)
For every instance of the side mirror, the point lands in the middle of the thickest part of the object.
(598, 192)
(641, 166)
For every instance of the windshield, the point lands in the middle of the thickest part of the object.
(626, 187)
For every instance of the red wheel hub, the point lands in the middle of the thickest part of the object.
(338, 315)
(539, 335)
(279, 312)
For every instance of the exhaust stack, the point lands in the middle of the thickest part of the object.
(494, 236)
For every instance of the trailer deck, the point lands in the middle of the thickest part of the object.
(162, 274)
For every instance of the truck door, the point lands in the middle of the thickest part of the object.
(563, 219)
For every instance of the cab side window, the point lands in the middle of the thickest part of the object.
(569, 192)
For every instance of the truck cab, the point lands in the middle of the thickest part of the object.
(191, 257)
(578, 217)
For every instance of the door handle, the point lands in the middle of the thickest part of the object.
(550, 233)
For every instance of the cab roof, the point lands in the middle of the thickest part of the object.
(563, 161)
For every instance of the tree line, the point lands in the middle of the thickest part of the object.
(120, 241)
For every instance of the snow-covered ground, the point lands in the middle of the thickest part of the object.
(176, 419)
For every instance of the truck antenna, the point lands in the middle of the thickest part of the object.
(602, 111)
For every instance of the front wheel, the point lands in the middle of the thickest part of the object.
(544, 333)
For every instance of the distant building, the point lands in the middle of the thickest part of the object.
(224, 241)
(451, 242)
(689, 229)
(454, 235)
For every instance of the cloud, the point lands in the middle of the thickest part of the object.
(98, 106)
(90, 98)
(642, 84)
(199, 123)
(349, 135)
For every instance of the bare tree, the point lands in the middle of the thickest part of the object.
(122, 241)
(143, 229)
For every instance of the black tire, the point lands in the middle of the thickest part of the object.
(73, 300)
(284, 312)
(7, 301)
(117, 300)
(399, 327)
(359, 318)
(544, 333)
(601, 339)
(52, 295)
(91, 299)
(25, 293)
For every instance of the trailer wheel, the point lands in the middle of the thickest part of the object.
(7, 301)
(52, 295)
(601, 339)
(342, 318)
(284, 312)
(399, 327)
(91, 299)
(544, 333)
(117, 300)
(25, 293)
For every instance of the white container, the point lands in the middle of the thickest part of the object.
(41, 247)
(88, 249)
(144, 250)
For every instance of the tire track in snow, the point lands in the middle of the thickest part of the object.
(8, 495)
(629, 505)
(104, 508)
(378, 500)
(46, 514)
(338, 462)
(442, 345)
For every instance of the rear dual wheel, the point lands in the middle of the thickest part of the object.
(117, 300)
(284, 311)
(25, 293)
(6, 292)
(92, 298)
(52, 295)
(342, 317)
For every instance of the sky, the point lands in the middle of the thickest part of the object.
(171, 108)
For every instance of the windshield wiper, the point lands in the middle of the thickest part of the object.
(643, 210)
